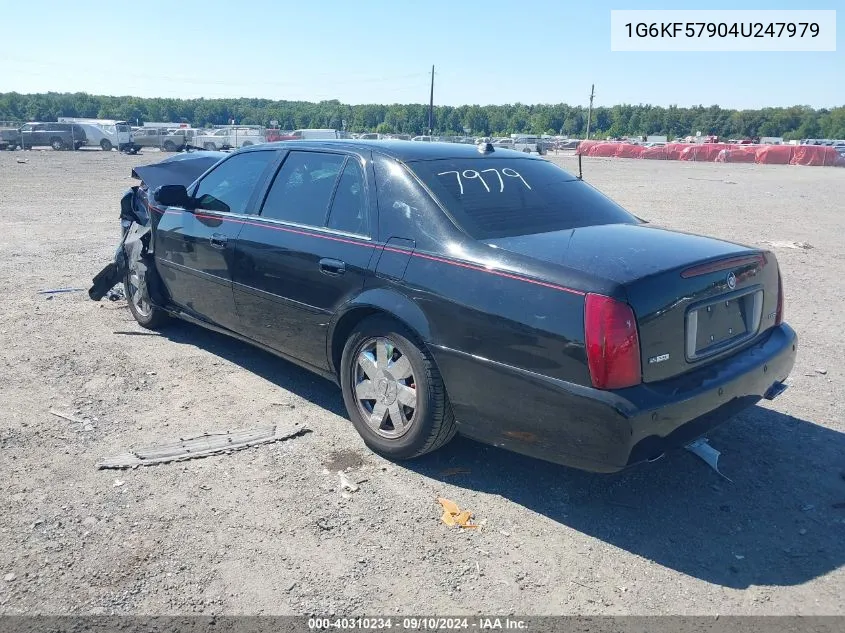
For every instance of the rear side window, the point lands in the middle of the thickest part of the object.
(230, 186)
(501, 197)
(405, 209)
(303, 188)
(349, 207)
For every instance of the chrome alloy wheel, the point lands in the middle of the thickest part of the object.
(385, 389)
(138, 296)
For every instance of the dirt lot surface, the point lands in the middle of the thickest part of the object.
(268, 530)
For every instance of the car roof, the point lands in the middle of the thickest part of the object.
(405, 151)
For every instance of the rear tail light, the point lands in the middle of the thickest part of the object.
(779, 314)
(613, 345)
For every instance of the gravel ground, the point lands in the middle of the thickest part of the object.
(268, 530)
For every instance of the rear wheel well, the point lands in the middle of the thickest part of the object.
(349, 321)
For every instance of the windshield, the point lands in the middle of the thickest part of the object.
(502, 197)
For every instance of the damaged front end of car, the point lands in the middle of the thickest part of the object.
(134, 244)
(133, 258)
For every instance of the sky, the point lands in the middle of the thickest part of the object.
(381, 51)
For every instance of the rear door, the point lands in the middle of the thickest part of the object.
(307, 253)
(195, 249)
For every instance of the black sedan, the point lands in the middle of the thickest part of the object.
(450, 288)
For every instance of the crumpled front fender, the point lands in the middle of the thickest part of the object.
(131, 249)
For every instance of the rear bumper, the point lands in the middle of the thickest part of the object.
(604, 431)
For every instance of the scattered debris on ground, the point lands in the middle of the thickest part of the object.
(346, 484)
(453, 516)
(54, 291)
(116, 294)
(702, 449)
(67, 416)
(204, 445)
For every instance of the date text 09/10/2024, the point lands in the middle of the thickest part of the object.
(418, 624)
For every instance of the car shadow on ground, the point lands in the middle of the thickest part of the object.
(774, 524)
(278, 371)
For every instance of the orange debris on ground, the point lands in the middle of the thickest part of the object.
(453, 516)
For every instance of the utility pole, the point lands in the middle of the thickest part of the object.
(590, 111)
(431, 105)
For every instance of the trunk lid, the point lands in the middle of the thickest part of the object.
(696, 299)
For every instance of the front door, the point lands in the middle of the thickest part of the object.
(195, 249)
(306, 254)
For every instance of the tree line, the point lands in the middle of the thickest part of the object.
(620, 120)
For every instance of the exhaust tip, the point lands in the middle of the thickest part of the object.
(775, 390)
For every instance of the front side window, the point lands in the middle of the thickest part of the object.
(230, 186)
(303, 188)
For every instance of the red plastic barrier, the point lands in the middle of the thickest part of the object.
(741, 154)
(653, 153)
(706, 152)
(605, 150)
(815, 155)
(584, 147)
(629, 151)
(774, 154)
(674, 150)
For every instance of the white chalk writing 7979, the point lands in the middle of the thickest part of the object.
(472, 174)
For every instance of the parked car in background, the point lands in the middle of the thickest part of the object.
(181, 138)
(156, 137)
(230, 137)
(529, 144)
(107, 133)
(10, 138)
(448, 288)
(59, 136)
(313, 134)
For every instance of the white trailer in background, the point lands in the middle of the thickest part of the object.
(107, 133)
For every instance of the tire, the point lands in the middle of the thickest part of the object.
(169, 146)
(526, 151)
(210, 146)
(138, 298)
(57, 144)
(246, 144)
(106, 145)
(423, 428)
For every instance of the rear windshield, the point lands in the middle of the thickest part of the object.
(501, 197)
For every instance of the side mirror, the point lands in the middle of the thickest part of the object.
(173, 196)
(128, 213)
